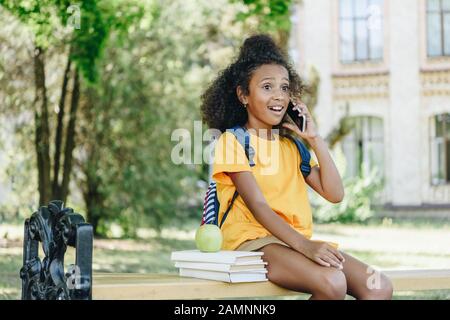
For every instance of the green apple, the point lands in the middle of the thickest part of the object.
(208, 238)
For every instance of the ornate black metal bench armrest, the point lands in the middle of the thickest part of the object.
(56, 227)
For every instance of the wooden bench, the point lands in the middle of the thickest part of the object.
(154, 286)
(58, 227)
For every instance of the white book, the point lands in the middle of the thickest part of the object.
(225, 267)
(225, 276)
(223, 256)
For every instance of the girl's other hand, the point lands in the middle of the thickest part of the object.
(323, 254)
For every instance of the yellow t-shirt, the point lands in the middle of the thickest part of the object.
(278, 176)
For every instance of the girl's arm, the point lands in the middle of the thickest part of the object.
(325, 179)
(247, 187)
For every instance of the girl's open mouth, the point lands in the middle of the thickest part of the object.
(276, 109)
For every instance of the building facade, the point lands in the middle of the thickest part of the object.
(385, 64)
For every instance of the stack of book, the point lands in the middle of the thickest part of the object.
(227, 266)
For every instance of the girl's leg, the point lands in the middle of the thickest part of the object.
(363, 282)
(291, 269)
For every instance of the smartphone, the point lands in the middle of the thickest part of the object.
(299, 120)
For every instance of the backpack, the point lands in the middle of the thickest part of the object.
(211, 203)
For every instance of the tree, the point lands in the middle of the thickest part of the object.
(83, 47)
(273, 17)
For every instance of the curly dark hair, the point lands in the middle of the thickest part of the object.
(221, 108)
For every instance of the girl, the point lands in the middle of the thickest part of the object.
(272, 213)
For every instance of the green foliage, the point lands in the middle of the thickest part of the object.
(272, 14)
(18, 191)
(39, 16)
(150, 85)
(97, 19)
(360, 193)
(47, 22)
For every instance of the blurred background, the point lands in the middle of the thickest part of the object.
(91, 93)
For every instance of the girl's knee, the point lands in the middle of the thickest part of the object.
(275, 276)
(332, 285)
(386, 290)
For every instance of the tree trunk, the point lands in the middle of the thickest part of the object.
(42, 134)
(59, 131)
(93, 196)
(70, 136)
(93, 114)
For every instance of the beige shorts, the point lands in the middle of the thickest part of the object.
(256, 244)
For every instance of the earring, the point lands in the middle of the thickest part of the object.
(245, 105)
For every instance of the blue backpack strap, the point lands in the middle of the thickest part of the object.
(243, 137)
(305, 166)
(235, 195)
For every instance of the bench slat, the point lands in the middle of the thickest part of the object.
(415, 280)
(171, 286)
(176, 287)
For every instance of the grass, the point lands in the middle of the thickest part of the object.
(391, 244)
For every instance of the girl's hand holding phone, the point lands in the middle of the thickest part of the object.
(310, 132)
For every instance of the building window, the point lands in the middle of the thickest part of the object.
(440, 149)
(438, 28)
(363, 146)
(361, 30)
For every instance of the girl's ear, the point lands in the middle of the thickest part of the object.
(241, 95)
